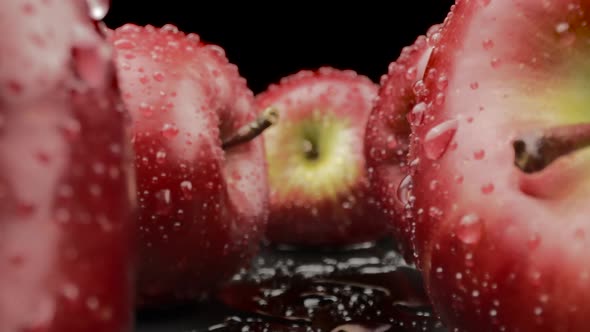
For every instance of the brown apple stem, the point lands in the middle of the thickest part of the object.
(536, 150)
(267, 118)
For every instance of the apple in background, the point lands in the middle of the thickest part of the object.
(387, 136)
(66, 231)
(203, 200)
(500, 182)
(317, 176)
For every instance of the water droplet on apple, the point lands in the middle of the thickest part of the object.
(411, 74)
(439, 99)
(470, 229)
(438, 138)
(442, 82)
(98, 9)
(25, 209)
(404, 189)
(416, 116)
(562, 27)
(146, 110)
(487, 188)
(479, 154)
(488, 44)
(124, 44)
(433, 185)
(160, 156)
(495, 63)
(163, 200)
(474, 85)
(187, 189)
(534, 241)
(169, 131)
(159, 76)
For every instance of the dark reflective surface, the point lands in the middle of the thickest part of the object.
(369, 288)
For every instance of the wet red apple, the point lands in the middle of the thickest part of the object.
(65, 206)
(202, 199)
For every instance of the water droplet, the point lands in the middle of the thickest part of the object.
(470, 229)
(404, 188)
(187, 189)
(416, 116)
(534, 241)
(146, 110)
(412, 74)
(479, 154)
(495, 63)
(163, 199)
(15, 87)
(25, 209)
(43, 157)
(160, 156)
(474, 85)
(488, 44)
(124, 44)
(28, 8)
(442, 82)
(433, 185)
(159, 76)
(98, 9)
(169, 130)
(562, 27)
(493, 313)
(437, 139)
(487, 188)
(439, 99)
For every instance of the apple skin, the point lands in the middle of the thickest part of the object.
(387, 135)
(502, 250)
(338, 212)
(66, 209)
(202, 209)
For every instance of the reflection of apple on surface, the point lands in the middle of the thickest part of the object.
(203, 207)
(66, 246)
(317, 176)
(501, 181)
(387, 137)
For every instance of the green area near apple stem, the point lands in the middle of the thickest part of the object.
(313, 157)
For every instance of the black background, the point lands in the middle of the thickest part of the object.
(279, 38)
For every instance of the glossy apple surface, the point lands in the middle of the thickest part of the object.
(66, 235)
(202, 209)
(504, 248)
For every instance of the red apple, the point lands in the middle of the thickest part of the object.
(317, 174)
(500, 179)
(66, 249)
(387, 136)
(203, 207)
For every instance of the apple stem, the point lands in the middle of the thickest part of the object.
(536, 150)
(246, 133)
